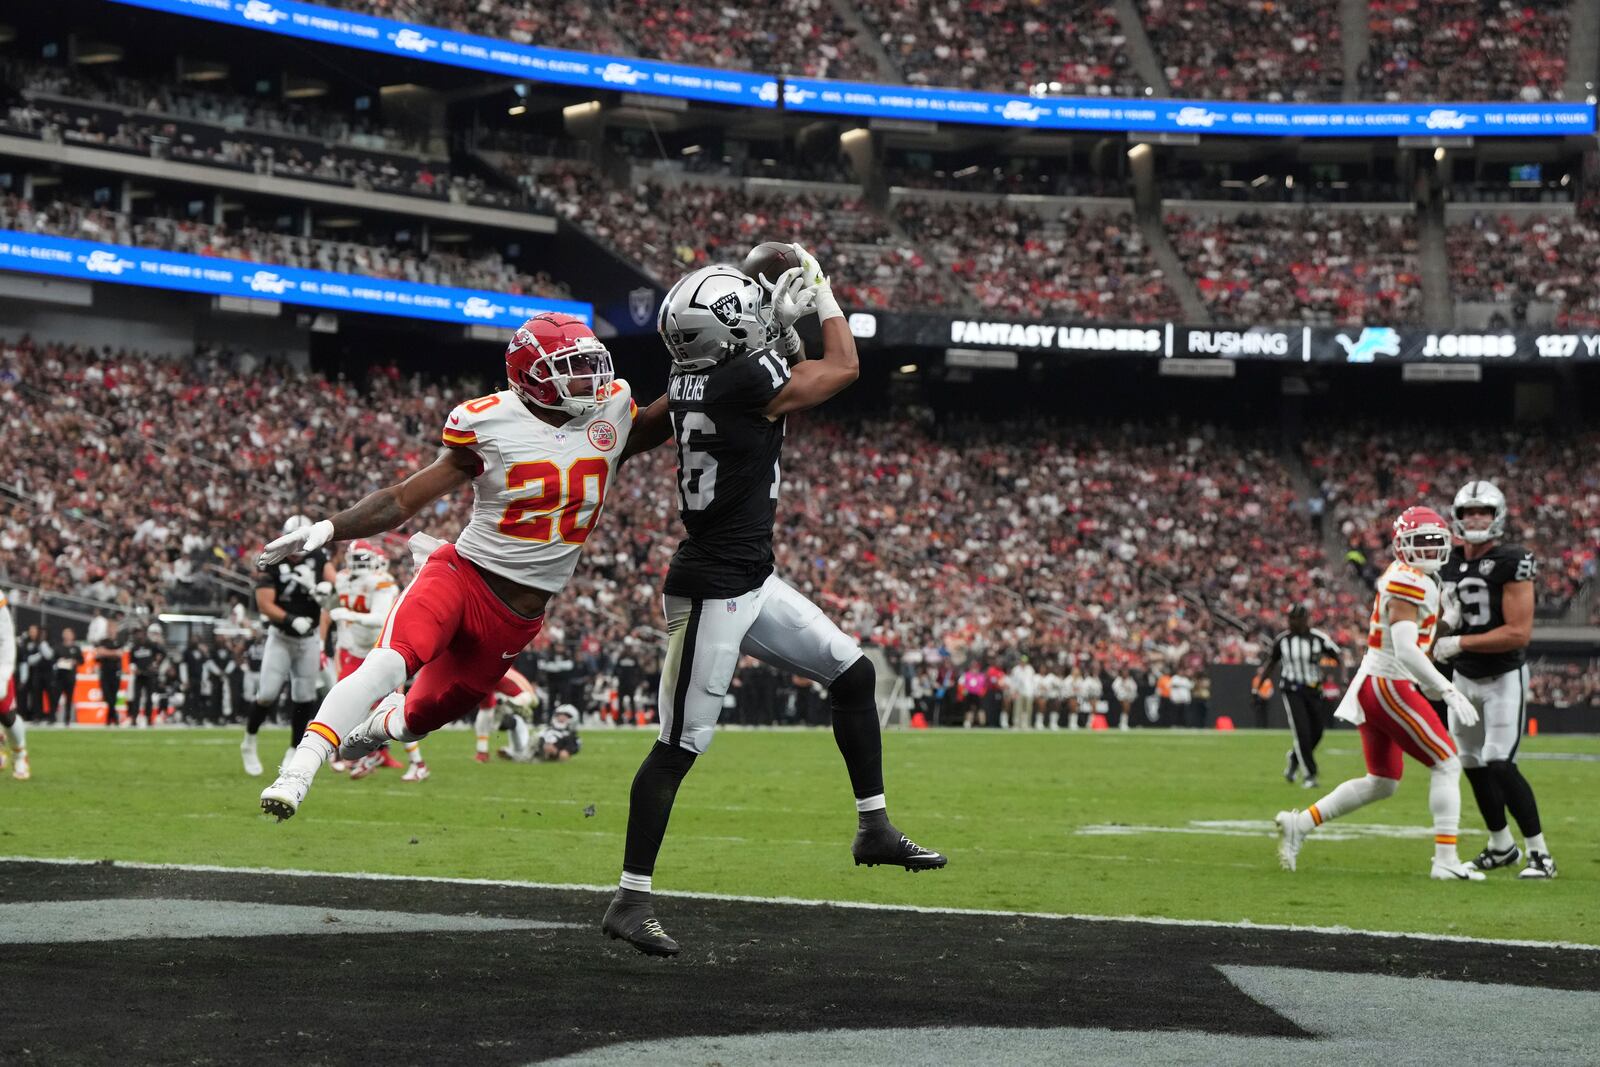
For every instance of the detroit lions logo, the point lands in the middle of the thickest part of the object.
(1374, 341)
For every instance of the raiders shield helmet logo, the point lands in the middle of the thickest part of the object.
(1486, 567)
(726, 309)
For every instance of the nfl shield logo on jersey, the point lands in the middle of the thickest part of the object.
(733, 605)
(603, 436)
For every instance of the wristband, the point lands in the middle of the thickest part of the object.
(827, 306)
(793, 346)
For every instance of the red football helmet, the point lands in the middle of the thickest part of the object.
(1422, 539)
(363, 557)
(557, 362)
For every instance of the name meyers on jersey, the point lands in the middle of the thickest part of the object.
(688, 387)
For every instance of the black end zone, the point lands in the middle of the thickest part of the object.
(523, 995)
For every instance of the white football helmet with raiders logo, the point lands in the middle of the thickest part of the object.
(714, 313)
(1479, 495)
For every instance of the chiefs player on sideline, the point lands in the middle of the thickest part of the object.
(1489, 609)
(16, 729)
(366, 593)
(539, 457)
(729, 392)
(1386, 701)
(514, 693)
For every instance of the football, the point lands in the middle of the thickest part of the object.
(768, 260)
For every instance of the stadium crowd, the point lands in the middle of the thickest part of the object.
(1210, 49)
(227, 130)
(1034, 262)
(1551, 487)
(1314, 266)
(1512, 260)
(1467, 49)
(68, 218)
(1248, 49)
(1012, 46)
(671, 228)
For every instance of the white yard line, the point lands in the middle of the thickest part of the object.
(855, 905)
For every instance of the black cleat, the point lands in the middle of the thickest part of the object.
(1540, 865)
(630, 919)
(886, 845)
(1490, 858)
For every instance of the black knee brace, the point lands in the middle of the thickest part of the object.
(855, 690)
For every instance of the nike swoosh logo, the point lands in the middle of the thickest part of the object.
(455, 418)
(511, 655)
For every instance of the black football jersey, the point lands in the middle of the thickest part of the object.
(296, 586)
(727, 474)
(1480, 586)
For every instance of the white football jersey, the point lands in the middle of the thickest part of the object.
(541, 487)
(1400, 582)
(370, 596)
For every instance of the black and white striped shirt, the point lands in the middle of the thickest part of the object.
(1300, 656)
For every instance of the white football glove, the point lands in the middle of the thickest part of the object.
(1461, 710)
(341, 614)
(810, 270)
(1446, 649)
(302, 624)
(811, 274)
(1450, 608)
(306, 539)
(792, 298)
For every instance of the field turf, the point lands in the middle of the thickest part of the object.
(1146, 824)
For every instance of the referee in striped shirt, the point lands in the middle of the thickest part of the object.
(1299, 653)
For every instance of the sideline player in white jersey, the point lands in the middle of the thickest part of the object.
(513, 695)
(539, 456)
(366, 592)
(16, 729)
(1386, 701)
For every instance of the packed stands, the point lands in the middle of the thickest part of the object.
(254, 134)
(1467, 49)
(174, 233)
(1248, 49)
(1075, 48)
(1514, 259)
(1312, 266)
(669, 228)
(1037, 261)
(1369, 475)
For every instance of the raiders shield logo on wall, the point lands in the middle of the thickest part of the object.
(642, 305)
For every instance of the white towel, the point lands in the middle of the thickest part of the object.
(1349, 708)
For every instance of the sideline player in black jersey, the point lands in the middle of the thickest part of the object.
(728, 394)
(1488, 606)
(290, 595)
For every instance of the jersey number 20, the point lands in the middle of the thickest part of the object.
(534, 518)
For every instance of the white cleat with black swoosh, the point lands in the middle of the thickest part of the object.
(1455, 872)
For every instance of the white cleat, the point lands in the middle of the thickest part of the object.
(1455, 872)
(284, 796)
(370, 734)
(339, 766)
(22, 772)
(1290, 837)
(415, 773)
(252, 762)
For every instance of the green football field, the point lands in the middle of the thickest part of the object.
(1152, 823)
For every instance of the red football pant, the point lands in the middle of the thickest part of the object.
(348, 662)
(458, 640)
(1400, 719)
(8, 699)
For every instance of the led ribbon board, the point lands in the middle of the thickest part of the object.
(348, 29)
(1157, 115)
(67, 257)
